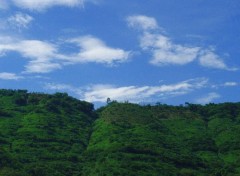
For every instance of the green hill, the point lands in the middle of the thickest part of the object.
(58, 135)
(43, 134)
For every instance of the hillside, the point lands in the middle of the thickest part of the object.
(43, 134)
(129, 139)
(56, 134)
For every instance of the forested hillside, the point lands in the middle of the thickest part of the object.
(58, 135)
(43, 134)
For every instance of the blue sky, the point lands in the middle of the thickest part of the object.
(139, 51)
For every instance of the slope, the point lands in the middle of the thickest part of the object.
(42, 134)
(163, 140)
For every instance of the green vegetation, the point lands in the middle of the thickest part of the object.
(57, 135)
(43, 134)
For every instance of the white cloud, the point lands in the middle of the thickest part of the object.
(209, 59)
(208, 98)
(94, 50)
(36, 49)
(40, 5)
(100, 93)
(226, 84)
(20, 20)
(166, 52)
(163, 50)
(62, 87)
(41, 54)
(28, 48)
(9, 76)
(230, 84)
(45, 57)
(41, 67)
(53, 86)
(143, 22)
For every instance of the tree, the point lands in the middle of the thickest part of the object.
(108, 100)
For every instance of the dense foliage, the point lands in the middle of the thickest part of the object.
(58, 135)
(43, 134)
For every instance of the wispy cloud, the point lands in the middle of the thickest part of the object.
(20, 20)
(62, 87)
(9, 76)
(165, 52)
(142, 22)
(38, 66)
(208, 98)
(40, 5)
(230, 84)
(224, 85)
(45, 57)
(100, 93)
(209, 59)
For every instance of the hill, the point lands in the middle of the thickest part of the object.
(56, 134)
(43, 134)
(129, 139)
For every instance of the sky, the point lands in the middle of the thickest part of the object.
(140, 51)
